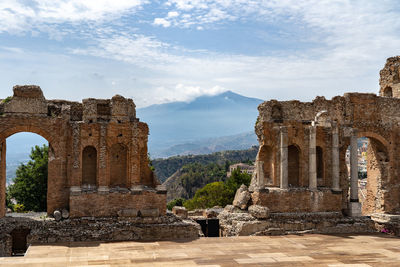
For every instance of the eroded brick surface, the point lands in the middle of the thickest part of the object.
(360, 114)
(115, 145)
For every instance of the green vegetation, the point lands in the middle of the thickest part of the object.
(9, 203)
(164, 168)
(196, 175)
(175, 202)
(7, 99)
(19, 208)
(30, 184)
(218, 193)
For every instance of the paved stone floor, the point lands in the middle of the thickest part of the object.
(290, 250)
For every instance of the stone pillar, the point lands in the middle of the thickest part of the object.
(102, 175)
(335, 158)
(260, 175)
(76, 156)
(355, 205)
(3, 178)
(312, 163)
(284, 157)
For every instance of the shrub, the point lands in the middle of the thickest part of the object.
(175, 202)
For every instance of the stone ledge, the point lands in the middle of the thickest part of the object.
(385, 218)
(165, 227)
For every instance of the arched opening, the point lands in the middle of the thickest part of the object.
(266, 157)
(388, 92)
(293, 166)
(118, 163)
(27, 157)
(372, 168)
(89, 167)
(320, 163)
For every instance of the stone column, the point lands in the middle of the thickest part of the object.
(260, 174)
(355, 205)
(102, 175)
(284, 157)
(3, 178)
(76, 164)
(312, 163)
(335, 158)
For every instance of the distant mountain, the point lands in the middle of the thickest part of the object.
(190, 124)
(210, 145)
(205, 125)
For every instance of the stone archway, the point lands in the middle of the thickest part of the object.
(56, 193)
(378, 162)
(70, 127)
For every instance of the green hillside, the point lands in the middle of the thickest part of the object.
(164, 168)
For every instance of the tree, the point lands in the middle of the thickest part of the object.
(218, 193)
(30, 184)
(9, 203)
(237, 179)
(213, 194)
(175, 202)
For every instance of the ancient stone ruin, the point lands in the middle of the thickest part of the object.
(301, 167)
(302, 182)
(99, 172)
(98, 164)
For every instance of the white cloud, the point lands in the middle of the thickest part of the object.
(351, 42)
(163, 22)
(21, 16)
(144, 51)
(173, 14)
(182, 92)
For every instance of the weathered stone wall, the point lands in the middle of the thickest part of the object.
(241, 223)
(297, 200)
(70, 127)
(97, 229)
(390, 78)
(110, 203)
(365, 115)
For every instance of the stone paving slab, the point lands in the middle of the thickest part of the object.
(289, 250)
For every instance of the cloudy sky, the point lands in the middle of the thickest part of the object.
(160, 51)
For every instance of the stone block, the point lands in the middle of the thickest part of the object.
(212, 213)
(57, 215)
(128, 213)
(354, 209)
(242, 197)
(259, 212)
(196, 212)
(65, 214)
(180, 211)
(251, 227)
(149, 213)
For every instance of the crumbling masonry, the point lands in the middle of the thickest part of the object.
(98, 164)
(301, 166)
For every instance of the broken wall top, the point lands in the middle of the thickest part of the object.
(390, 78)
(29, 99)
(350, 109)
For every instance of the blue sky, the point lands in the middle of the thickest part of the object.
(161, 51)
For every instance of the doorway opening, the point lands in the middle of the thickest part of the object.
(209, 227)
(26, 172)
(372, 159)
(19, 241)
